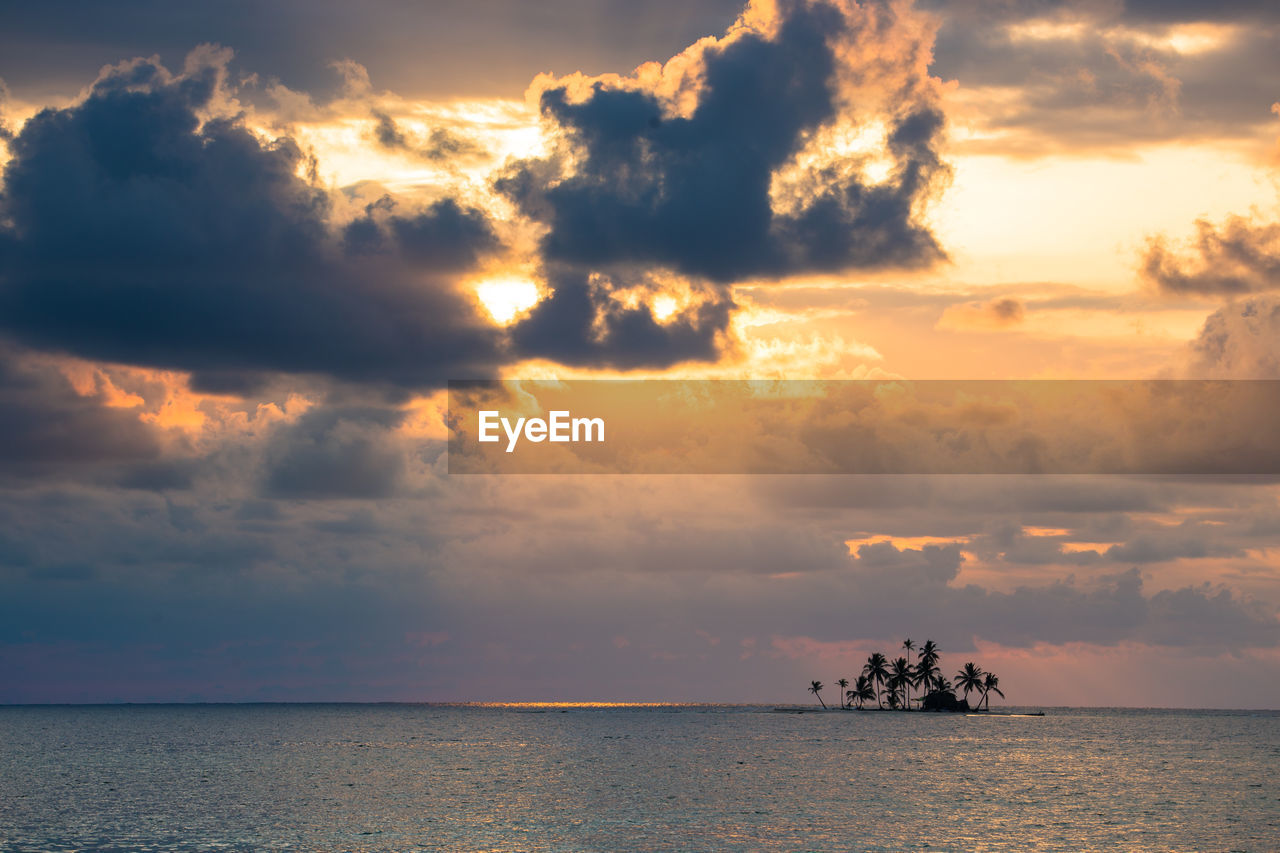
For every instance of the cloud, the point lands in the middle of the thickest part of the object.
(336, 453)
(1041, 78)
(1117, 610)
(1235, 258)
(1158, 549)
(804, 140)
(581, 323)
(702, 166)
(148, 229)
(1000, 313)
(5, 133)
(439, 144)
(1241, 340)
(443, 238)
(532, 578)
(151, 225)
(49, 430)
(1191, 10)
(441, 50)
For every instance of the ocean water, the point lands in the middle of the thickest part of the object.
(467, 778)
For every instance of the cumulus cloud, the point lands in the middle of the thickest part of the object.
(1240, 340)
(147, 228)
(803, 140)
(674, 167)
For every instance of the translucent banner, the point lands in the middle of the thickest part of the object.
(1183, 427)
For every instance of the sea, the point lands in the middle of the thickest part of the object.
(404, 777)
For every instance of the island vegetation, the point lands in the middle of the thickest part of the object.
(899, 684)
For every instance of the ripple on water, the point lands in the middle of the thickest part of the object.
(480, 778)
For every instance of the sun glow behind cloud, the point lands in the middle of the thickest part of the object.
(347, 151)
(506, 298)
(1187, 39)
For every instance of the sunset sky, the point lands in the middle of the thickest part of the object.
(244, 246)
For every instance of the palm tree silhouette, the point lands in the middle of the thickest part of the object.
(862, 691)
(929, 651)
(890, 683)
(923, 675)
(908, 644)
(927, 674)
(877, 670)
(990, 682)
(969, 678)
(900, 678)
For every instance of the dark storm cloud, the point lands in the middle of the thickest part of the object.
(336, 453)
(140, 235)
(692, 193)
(47, 429)
(445, 237)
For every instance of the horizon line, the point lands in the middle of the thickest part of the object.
(577, 704)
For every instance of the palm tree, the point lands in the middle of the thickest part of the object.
(816, 689)
(969, 679)
(900, 679)
(927, 667)
(862, 691)
(908, 645)
(877, 669)
(990, 681)
(924, 673)
(844, 688)
(929, 651)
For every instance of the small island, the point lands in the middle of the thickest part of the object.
(891, 684)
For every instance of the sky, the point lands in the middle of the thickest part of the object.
(244, 248)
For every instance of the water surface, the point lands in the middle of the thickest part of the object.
(468, 778)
